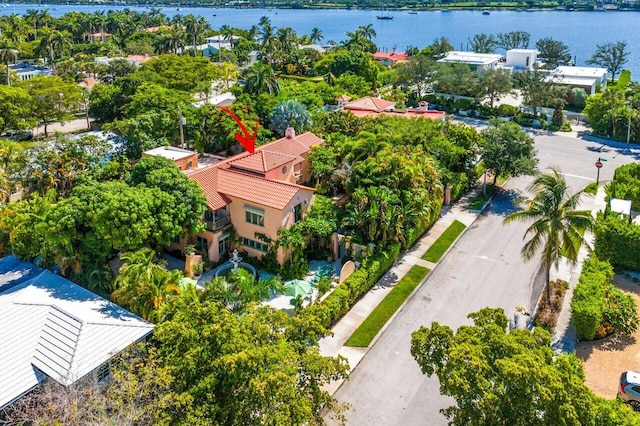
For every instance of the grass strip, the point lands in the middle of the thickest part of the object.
(437, 249)
(481, 198)
(371, 326)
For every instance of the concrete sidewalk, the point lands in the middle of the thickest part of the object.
(563, 339)
(342, 330)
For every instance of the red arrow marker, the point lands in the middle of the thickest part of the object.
(247, 140)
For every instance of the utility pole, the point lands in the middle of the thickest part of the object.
(182, 121)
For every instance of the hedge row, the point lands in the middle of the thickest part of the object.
(589, 298)
(626, 184)
(349, 291)
(617, 241)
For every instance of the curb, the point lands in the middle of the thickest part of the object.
(477, 214)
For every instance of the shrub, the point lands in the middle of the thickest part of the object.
(589, 298)
(626, 184)
(598, 308)
(464, 103)
(617, 241)
(350, 290)
(506, 110)
(579, 96)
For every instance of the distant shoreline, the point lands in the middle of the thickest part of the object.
(498, 6)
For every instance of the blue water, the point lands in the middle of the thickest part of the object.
(580, 31)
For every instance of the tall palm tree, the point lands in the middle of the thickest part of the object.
(46, 44)
(260, 78)
(558, 228)
(60, 41)
(8, 54)
(193, 28)
(316, 35)
(367, 31)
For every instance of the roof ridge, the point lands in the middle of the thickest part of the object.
(241, 172)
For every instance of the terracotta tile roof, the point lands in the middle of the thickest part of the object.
(393, 56)
(88, 82)
(343, 98)
(207, 179)
(295, 147)
(258, 190)
(369, 104)
(263, 161)
(434, 115)
(158, 28)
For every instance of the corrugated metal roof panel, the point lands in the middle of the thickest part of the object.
(53, 326)
(57, 344)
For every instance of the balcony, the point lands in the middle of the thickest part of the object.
(218, 224)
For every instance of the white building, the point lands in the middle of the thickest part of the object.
(587, 78)
(26, 71)
(476, 61)
(54, 329)
(521, 59)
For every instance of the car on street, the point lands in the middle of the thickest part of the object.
(629, 390)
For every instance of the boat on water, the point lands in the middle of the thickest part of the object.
(413, 13)
(384, 14)
(486, 12)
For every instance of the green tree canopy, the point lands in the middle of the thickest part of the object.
(507, 150)
(498, 377)
(611, 56)
(553, 52)
(15, 109)
(184, 73)
(263, 368)
(54, 100)
(161, 173)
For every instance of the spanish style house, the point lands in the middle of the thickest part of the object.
(257, 193)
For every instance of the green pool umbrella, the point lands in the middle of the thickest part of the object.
(295, 288)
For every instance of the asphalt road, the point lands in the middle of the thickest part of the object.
(483, 269)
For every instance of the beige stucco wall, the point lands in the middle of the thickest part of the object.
(278, 174)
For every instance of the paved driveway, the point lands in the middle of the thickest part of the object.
(483, 269)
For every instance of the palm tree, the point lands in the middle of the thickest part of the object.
(193, 28)
(316, 35)
(144, 285)
(238, 290)
(367, 31)
(260, 78)
(61, 40)
(45, 46)
(7, 55)
(558, 228)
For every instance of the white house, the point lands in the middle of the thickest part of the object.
(521, 59)
(51, 328)
(476, 61)
(220, 41)
(25, 71)
(585, 77)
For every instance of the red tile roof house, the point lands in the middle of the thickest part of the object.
(256, 193)
(388, 59)
(373, 107)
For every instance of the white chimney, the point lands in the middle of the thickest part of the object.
(290, 133)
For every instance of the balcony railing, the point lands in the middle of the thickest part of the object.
(218, 224)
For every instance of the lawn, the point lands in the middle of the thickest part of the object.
(371, 326)
(440, 246)
(479, 201)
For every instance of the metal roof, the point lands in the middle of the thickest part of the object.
(54, 328)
